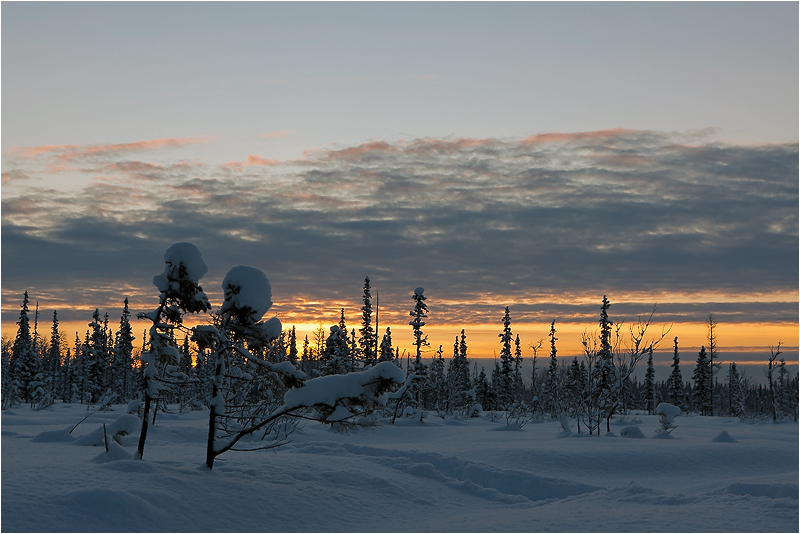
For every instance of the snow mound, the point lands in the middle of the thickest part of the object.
(54, 436)
(631, 432)
(122, 426)
(247, 293)
(115, 452)
(724, 437)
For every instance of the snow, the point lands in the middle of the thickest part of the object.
(669, 411)
(442, 475)
(419, 291)
(189, 256)
(631, 432)
(247, 289)
(724, 437)
(327, 390)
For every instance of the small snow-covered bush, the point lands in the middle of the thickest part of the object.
(666, 416)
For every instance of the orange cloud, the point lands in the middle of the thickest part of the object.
(70, 152)
(251, 161)
(258, 160)
(557, 137)
(361, 150)
(276, 135)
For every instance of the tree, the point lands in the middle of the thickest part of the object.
(458, 374)
(123, 356)
(179, 293)
(773, 398)
(504, 377)
(418, 314)
(292, 354)
(675, 389)
(575, 390)
(551, 389)
(412, 392)
(23, 364)
(605, 375)
(335, 359)
(735, 399)
(54, 353)
(701, 393)
(368, 338)
(711, 323)
(650, 385)
(386, 351)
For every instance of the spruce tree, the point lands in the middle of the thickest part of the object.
(504, 374)
(735, 400)
(604, 373)
(701, 392)
(368, 338)
(335, 359)
(292, 354)
(54, 356)
(675, 392)
(418, 314)
(650, 385)
(550, 391)
(23, 364)
(458, 373)
(386, 351)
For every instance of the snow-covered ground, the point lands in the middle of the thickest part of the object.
(441, 475)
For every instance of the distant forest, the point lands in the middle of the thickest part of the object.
(240, 367)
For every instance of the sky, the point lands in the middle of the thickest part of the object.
(529, 155)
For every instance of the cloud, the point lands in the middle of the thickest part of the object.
(480, 223)
(61, 156)
(277, 135)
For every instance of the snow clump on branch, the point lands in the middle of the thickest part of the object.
(248, 294)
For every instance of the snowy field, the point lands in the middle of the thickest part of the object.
(441, 475)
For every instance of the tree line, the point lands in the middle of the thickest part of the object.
(237, 361)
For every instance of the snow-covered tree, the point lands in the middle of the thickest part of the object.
(122, 366)
(179, 293)
(458, 377)
(735, 397)
(386, 351)
(24, 363)
(335, 359)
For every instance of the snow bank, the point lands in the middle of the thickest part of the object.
(54, 436)
(247, 292)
